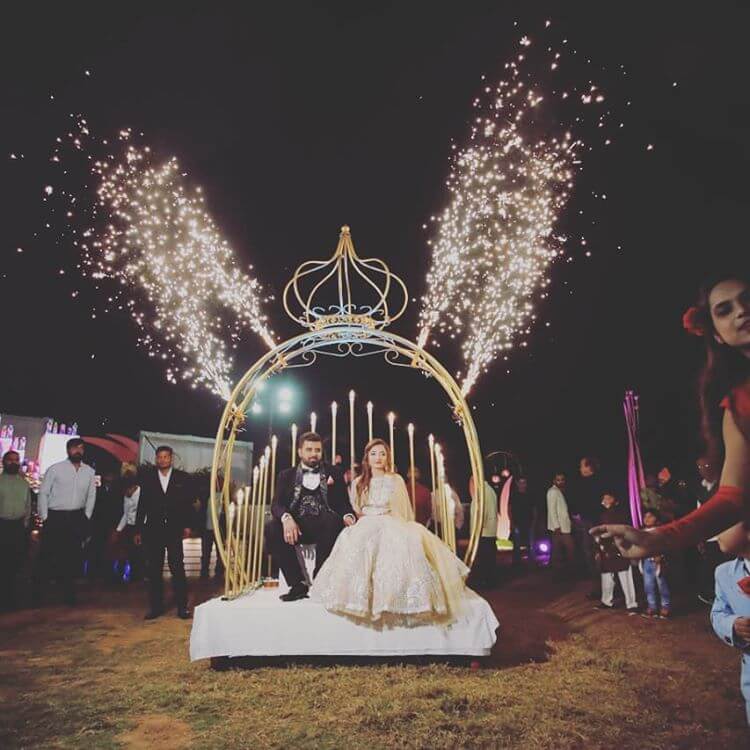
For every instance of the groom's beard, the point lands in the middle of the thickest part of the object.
(312, 463)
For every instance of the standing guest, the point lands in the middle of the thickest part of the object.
(655, 575)
(65, 505)
(208, 537)
(558, 522)
(675, 491)
(15, 511)
(107, 513)
(487, 550)
(521, 512)
(710, 554)
(730, 614)
(128, 551)
(161, 524)
(652, 499)
(611, 563)
(588, 494)
(422, 500)
(722, 319)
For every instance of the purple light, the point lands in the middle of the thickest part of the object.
(636, 480)
(542, 546)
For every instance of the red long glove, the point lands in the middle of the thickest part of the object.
(725, 508)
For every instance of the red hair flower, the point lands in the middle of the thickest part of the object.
(744, 584)
(692, 321)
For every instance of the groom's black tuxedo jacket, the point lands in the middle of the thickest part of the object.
(338, 498)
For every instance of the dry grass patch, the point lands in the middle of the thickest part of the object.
(157, 731)
(553, 682)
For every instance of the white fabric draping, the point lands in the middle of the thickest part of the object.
(258, 624)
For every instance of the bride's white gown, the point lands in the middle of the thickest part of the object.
(388, 569)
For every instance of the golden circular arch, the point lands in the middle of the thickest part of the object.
(302, 351)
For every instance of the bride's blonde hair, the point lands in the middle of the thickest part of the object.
(363, 485)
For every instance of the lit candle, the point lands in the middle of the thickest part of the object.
(351, 431)
(410, 430)
(313, 421)
(391, 420)
(334, 412)
(369, 421)
(294, 445)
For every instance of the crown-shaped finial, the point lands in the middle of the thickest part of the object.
(344, 290)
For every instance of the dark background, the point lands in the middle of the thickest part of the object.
(299, 117)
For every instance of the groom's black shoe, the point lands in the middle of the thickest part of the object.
(298, 591)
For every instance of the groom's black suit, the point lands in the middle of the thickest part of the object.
(321, 530)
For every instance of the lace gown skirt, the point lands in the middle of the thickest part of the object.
(388, 570)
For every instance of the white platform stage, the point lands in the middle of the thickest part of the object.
(259, 624)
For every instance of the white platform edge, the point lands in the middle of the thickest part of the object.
(259, 625)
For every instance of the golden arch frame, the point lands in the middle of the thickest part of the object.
(302, 351)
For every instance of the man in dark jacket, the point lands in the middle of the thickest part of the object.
(162, 523)
(587, 497)
(107, 514)
(611, 563)
(310, 507)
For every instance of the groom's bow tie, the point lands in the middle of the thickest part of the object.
(306, 470)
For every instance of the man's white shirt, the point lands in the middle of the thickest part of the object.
(66, 488)
(164, 479)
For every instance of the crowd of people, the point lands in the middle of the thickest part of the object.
(116, 532)
(694, 534)
(120, 531)
(574, 506)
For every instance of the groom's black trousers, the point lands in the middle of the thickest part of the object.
(321, 530)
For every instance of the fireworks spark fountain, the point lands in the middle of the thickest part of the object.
(152, 237)
(498, 235)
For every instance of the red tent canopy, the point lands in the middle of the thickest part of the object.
(120, 452)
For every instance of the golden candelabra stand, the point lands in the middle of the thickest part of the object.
(363, 297)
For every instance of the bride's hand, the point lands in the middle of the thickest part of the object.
(349, 520)
(631, 543)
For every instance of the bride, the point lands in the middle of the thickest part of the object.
(388, 569)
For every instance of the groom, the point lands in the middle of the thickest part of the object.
(309, 507)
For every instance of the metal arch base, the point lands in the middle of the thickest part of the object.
(303, 351)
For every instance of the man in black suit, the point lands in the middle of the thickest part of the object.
(161, 523)
(310, 506)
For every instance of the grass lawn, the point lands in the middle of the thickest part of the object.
(561, 676)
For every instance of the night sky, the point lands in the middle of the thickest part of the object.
(297, 118)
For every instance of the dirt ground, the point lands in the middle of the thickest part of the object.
(562, 675)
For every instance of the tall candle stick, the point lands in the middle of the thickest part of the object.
(431, 446)
(254, 512)
(274, 444)
(334, 412)
(369, 421)
(313, 422)
(351, 432)
(410, 430)
(440, 496)
(391, 420)
(294, 444)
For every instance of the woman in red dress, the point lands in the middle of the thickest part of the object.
(722, 318)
